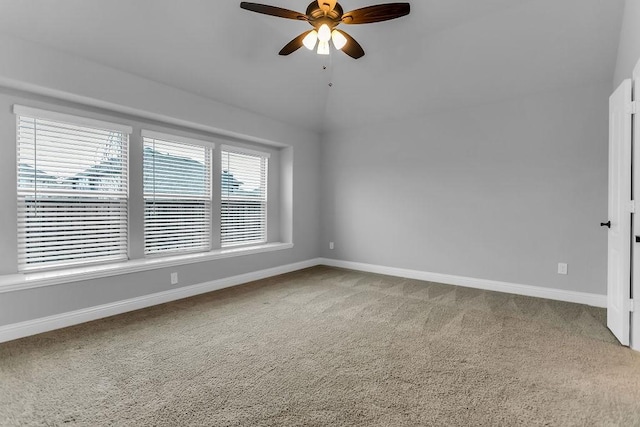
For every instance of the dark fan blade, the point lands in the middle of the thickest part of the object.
(273, 11)
(377, 13)
(352, 48)
(294, 44)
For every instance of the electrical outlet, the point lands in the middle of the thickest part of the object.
(174, 278)
(563, 268)
(331, 245)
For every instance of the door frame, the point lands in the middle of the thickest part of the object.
(620, 212)
(635, 264)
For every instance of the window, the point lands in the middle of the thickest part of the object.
(72, 190)
(73, 196)
(244, 196)
(177, 194)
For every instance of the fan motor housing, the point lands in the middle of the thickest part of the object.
(317, 16)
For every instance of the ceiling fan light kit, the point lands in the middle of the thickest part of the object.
(338, 39)
(323, 48)
(324, 16)
(310, 40)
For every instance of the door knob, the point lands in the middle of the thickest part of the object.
(606, 224)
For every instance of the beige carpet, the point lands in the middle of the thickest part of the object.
(326, 346)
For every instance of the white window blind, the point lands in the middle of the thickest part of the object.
(177, 195)
(72, 190)
(244, 197)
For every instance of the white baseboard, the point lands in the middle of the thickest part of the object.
(50, 323)
(595, 300)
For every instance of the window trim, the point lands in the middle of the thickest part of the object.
(137, 262)
(30, 280)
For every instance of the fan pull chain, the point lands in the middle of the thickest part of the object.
(330, 67)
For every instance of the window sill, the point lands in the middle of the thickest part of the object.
(17, 282)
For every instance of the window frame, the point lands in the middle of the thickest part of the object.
(278, 235)
(265, 156)
(22, 112)
(177, 139)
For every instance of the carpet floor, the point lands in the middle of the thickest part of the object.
(326, 346)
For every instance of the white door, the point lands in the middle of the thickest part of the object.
(619, 262)
(635, 269)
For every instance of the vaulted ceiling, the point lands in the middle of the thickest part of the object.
(446, 54)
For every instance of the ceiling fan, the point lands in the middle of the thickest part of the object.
(324, 16)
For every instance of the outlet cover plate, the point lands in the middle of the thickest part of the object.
(563, 268)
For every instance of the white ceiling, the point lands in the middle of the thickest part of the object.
(445, 54)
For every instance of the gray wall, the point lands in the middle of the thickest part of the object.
(501, 191)
(33, 67)
(629, 47)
